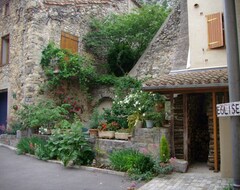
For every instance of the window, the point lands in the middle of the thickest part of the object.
(69, 41)
(215, 30)
(5, 50)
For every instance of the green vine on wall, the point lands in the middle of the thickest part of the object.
(61, 66)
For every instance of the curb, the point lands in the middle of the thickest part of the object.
(87, 168)
(8, 146)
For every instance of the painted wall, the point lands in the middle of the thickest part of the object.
(200, 54)
(226, 147)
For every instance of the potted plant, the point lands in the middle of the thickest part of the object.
(153, 117)
(135, 120)
(122, 134)
(108, 130)
(96, 118)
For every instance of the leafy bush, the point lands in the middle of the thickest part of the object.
(70, 145)
(129, 159)
(45, 113)
(75, 66)
(122, 38)
(164, 149)
(14, 126)
(42, 152)
(28, 145)
(95, 119)
(138, 165)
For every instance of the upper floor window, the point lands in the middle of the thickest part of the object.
(215, 30)
(5, 49)
(69, 41)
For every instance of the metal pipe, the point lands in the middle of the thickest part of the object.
(231, 37)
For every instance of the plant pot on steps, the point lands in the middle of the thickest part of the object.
(149, 123)
(122, 136)
(106, 134)
(93, 133)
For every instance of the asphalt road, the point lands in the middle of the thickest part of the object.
(19, 172)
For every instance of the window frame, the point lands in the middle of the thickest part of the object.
(4, 39)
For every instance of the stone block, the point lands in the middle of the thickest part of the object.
(179, 165)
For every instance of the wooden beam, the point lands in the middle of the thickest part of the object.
(187, 90)
(171, 129)
(215, 136)
(185, 126)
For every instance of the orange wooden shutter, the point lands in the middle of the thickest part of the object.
(69, 41)
(215, 30)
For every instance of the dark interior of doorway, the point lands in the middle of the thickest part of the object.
(3, 111)
(198, 131)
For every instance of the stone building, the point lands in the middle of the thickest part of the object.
(27, 26)
(187, 62)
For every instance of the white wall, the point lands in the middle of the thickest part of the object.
(200, 54)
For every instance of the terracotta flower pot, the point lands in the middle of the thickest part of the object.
(93, 133)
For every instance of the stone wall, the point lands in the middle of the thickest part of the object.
(169, 48)
(32, 25)
(10, 140)
(145, 140)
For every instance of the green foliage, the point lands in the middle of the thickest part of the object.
(70, 145)
(164, 149)
(68, 65)
(128, 159)
(229, 187)
(138, 165)
(45, 113)
(122, 38)
(28, 145)
(42, 152)
(14, 126)
(95, 120)
(73, 67)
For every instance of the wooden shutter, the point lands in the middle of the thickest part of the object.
(215, 30)
(69, 41)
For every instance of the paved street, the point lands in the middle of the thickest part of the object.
(19, 172)
(197, 178)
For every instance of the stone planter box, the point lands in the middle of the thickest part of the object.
(106, 134)
(122, 136)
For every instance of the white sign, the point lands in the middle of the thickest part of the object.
(228, 109)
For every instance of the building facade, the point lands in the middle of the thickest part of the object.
(187, 62)
(26, 27)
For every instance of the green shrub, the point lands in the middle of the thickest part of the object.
(42, 152)
(70, 145)
(121, 39)
(95, 119)
(28, 145)
(229, 187)
(128, 159)
(45, 113)
(164, 149)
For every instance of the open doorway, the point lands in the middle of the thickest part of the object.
(198, 128)
(3, 111)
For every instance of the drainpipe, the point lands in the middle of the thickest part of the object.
(231, 37)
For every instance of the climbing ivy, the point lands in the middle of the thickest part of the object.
(61, 66)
